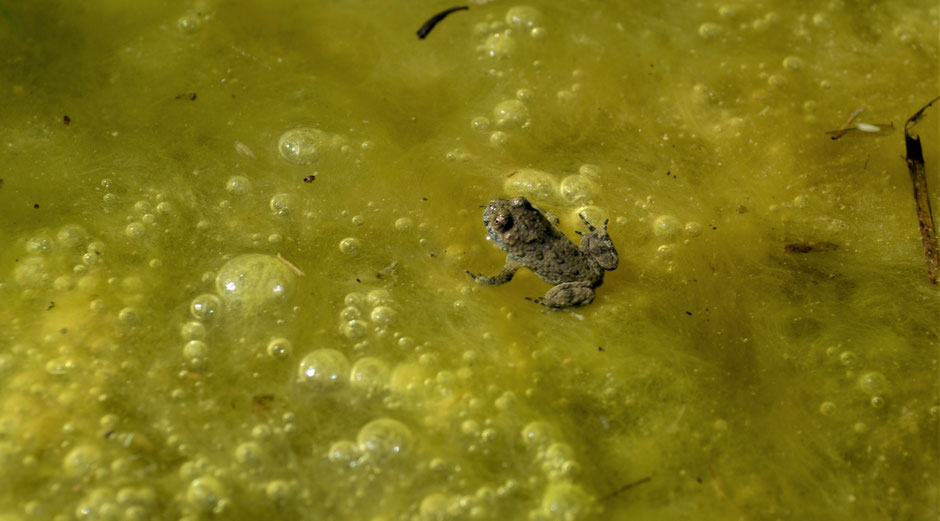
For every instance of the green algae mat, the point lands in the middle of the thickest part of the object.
(234, 239)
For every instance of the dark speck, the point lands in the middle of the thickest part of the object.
(36, 206)
(66, 119)
(50, 306)
(688, 313)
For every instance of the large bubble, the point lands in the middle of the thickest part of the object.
(254, 281)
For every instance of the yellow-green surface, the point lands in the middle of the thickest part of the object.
(191, 331)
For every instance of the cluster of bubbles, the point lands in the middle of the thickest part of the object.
(500, 37)
(367, 313)
(247, 285)
(509, 114)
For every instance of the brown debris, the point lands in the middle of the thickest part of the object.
(917, 169)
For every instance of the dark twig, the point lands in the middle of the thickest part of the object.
(625, 488)
(434, 20)
(917, 169)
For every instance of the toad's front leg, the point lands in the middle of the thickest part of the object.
(567, 295)
(509, 269)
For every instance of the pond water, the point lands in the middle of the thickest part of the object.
(235, 238)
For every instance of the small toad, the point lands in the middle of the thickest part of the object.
(531, 240)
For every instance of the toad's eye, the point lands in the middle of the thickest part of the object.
(502, 221)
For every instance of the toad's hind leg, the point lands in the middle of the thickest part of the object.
(567, 295)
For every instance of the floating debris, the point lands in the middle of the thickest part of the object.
(917, 169)
(434, 20)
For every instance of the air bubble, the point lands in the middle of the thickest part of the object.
(279, 348)
(793, 63)
(537, 434)
(205, 493)
(249, 454)
(531, 183)
(205, 306)
(666, 226)
(369, 375)
(403, 224)
(523, 17)
(254, 281)
(323, 370)
(196, 352)
(511, 113)
(498, 45)
(480, 123)
(129, 316)
(382, 315)
(343, 452)
(302, 146)
(384, 439)
(81, 460)
(577, 189)
(872, 383)
(709, 30)
(238, 185)
(827, 408)
(193, 330)
(565, 502)
(350, 246)
(281, 204)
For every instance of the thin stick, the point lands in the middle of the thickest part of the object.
(917, 169)
(625, 488)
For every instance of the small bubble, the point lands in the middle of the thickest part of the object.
(693, 229)
(537, 434)
(498, 138)
(384, 439)
(666, 226)
(129, 316)
(793, 63)
(249, 454)
(205, 306)
(193, 330)
(523, 17)
(188, 23)
(205, 493)
(323, 370)
(81, 461)
(847, 357)
(877, 402)
(302, 146)
(196, 352)
(279, 348)
(531, 183)
(827, 408)
(565, 501)
(498, 45)
(511, 113)
(577, 189)
(278, 491)
(135, 230)
(343, 452)
(403, 224)
(872, 383)
(777, 80)
(525, 95)
(538, 33)
(369, 375)
(281, 204)
(238, 185)
(354, 330)
(709, 30)
(480, 123)
(350, 246)
(382, 315)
